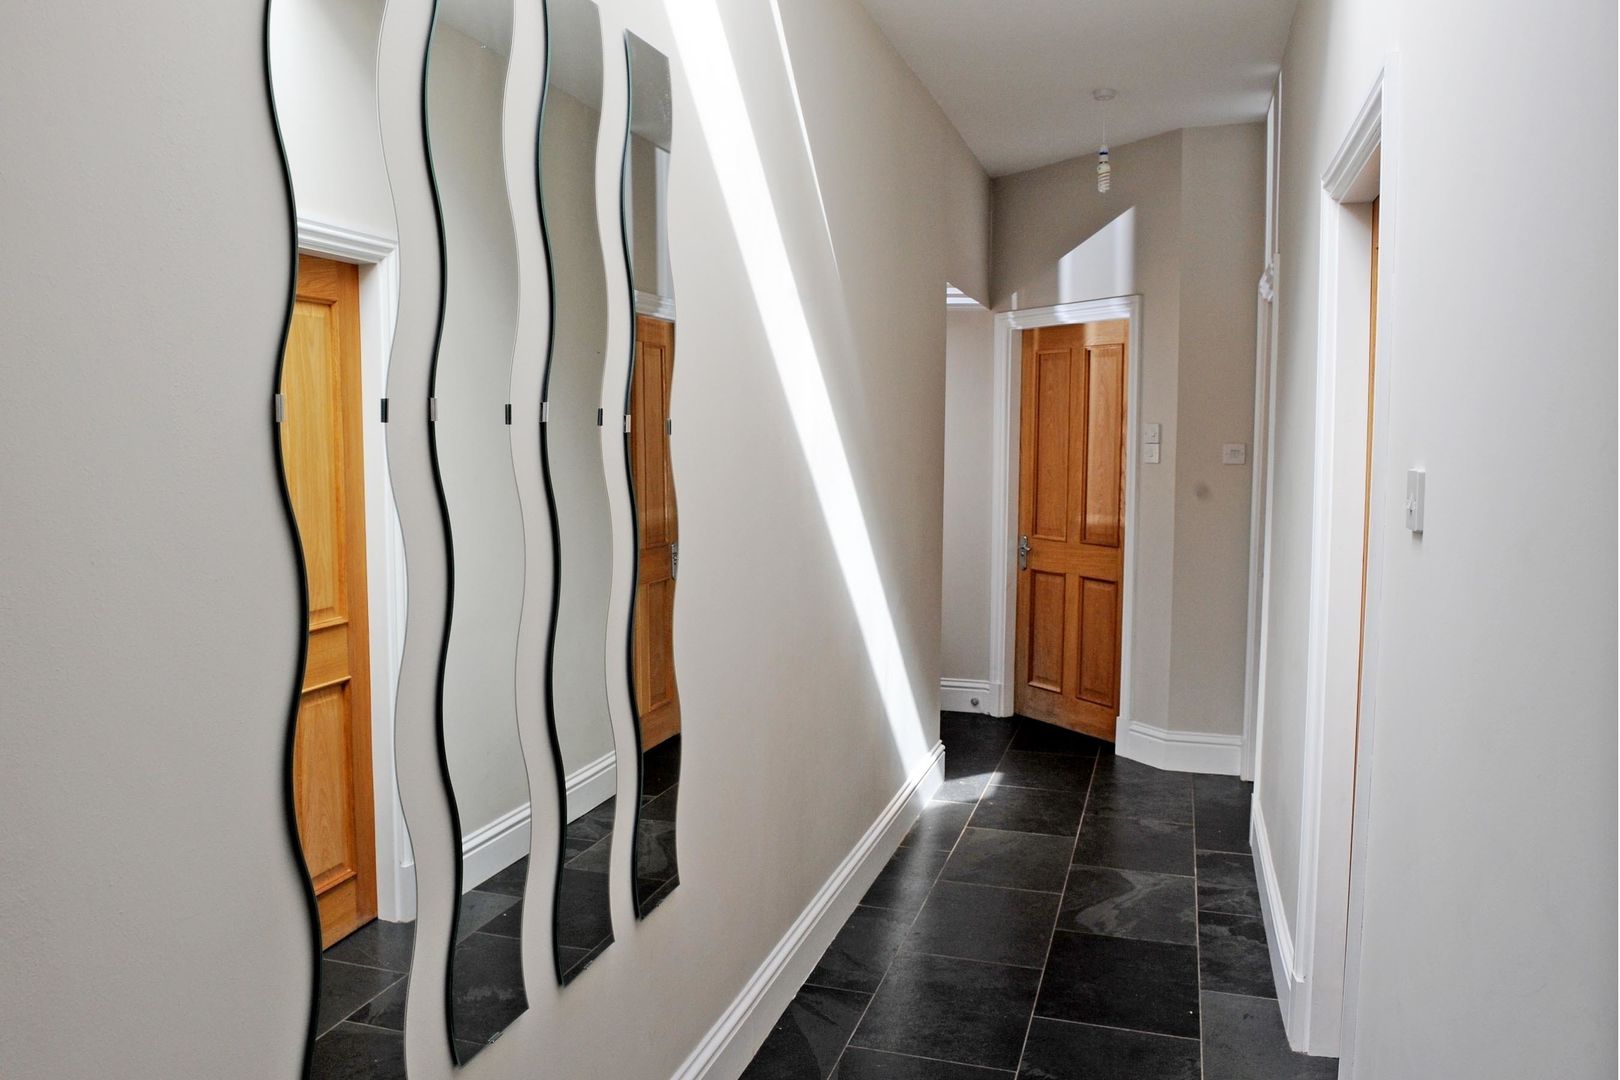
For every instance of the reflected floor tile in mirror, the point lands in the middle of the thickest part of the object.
(360, 1033)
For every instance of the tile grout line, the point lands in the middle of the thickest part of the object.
(912, 924)
(1057, 917)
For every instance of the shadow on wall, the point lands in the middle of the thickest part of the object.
(716, 85)
(1103, 265)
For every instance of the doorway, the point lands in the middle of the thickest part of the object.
(1071, 525)
(1066, 417)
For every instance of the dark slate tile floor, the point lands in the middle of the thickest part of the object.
(1056, 914)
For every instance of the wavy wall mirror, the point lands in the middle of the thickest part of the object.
(343, 799)
(576, 481)
(655, 697)
(480, 749)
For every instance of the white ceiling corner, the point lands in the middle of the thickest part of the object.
(1016, 78)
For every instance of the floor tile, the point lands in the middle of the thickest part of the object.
(510, 881)
(508, 923)
(583, 919)
(477, 908)
(1017, 809)
(1131, 789)
(861, 1064)
(1049, 738)
(904, 883)
(968, 772)
(661, 767)
(1058, 1050)
(1129, 904)
(378, 944)
(1222, 806)
(940, 825)
(1139, 985)
(806, 1041)
(386, 1010)
(953, 1010)
(486, 987)
(346, 987)
(353, 1052)
(1009, 859)
(1125, 843)
(1244, 1040)
(860, 954)
(1232, 955)
(1226, 884)
(1057, 772)
(958, 731)
(978, 922)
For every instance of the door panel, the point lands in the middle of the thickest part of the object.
(321, 438)
(1072, 514)
(657, 697)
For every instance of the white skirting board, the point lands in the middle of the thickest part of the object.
(487, 851)
(1179, 751)
(727, 1047)
(1292, 996)
(958, 695)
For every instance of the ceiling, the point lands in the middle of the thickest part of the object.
(1016, 78)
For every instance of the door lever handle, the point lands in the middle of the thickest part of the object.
(1023, 553)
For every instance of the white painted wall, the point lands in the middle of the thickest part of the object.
(1488, 928)
(578, 477)
(969, 518)
(1196, 203)
(195, 962)
(475, 451)
(325, 57)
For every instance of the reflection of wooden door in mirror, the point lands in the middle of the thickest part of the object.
(657, 699)
(1071, 525)
(321, 439)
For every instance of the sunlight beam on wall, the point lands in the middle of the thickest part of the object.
(723, 115)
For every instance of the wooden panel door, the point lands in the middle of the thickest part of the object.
(1071, 525)
(657, 697)
(321, 440)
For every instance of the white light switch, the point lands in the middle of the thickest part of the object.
(1414, 500)
(1150, 454)
(1235, 453)
(1150, 434)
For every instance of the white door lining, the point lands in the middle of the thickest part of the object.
(378, 259)
(1004, 437)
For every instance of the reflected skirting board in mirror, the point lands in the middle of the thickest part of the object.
(654, 695)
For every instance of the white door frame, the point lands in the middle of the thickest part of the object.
(1317, 989)
(378, 259)
(1004, 443)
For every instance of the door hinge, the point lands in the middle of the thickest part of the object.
(280, 408)
(433, 410)
(545, 411)
(627, 423)
(674, 560)
(598, 417)
(669, 425)
(385, 410)
(508, 414)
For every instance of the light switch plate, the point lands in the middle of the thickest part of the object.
(1150, 434)
(1235, 453)
(1414, 499)
(1150, 454)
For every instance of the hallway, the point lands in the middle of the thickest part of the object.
(1057, 913)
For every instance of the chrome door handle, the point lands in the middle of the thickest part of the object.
(1023, 553)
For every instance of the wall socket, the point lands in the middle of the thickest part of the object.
(1150, 454)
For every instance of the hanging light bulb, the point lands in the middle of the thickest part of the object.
(1105, 172)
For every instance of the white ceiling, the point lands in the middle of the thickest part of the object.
(1016, 76)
